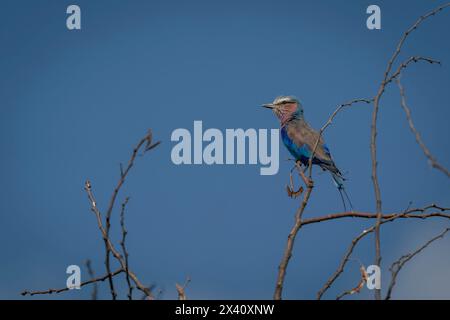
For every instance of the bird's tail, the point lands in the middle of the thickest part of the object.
(338, 180)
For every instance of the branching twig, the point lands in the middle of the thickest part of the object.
(328, 123)
(104, 230)
(405, 64)
(108, 242)
(358, 287)
(373, 146)
(408, 213)
(291, 237)
(431, 159)
(181, 289)
(398, 265)
(147, 140)
(50, 291)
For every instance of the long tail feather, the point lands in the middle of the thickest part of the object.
(339, 182)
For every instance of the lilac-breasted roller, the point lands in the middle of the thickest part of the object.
(300, 139)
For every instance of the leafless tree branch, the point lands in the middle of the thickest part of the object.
(431, 159)
(373, 144)
(292, 234)
(328, 123)
(124, 248)
(397, 266)
(147, 141)
(408, 213)
(181, 289)
(92, 275)
(50, 291)
(358, 287)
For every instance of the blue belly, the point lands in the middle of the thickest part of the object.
(301, 153)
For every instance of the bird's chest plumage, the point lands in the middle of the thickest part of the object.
(299, 150)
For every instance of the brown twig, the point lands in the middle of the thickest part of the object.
(108, 242)
(397, 266)
(328, 123)
(411, 213)
(181, 289)
(292, 234)
(124, 248)
(92, 275)
(405, 64)
(431, 159)
(109, 247)
(147, 140)
(358, 287)
(408, 213)
(373, 146)
(50, 291)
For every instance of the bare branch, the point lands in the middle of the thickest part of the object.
(397, 266)
(358, 287)
(147, 140)
(292, 234)
(50, 291)
(181, 289)
(108, 243)
(328, 123)
(411, 213)
(124, 248)
(91, 274)
(405, 64)
(373, 146)
(431, 159)
(350, 249)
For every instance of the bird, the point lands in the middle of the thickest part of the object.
(300, 139)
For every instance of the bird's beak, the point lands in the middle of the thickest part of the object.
(268, 105)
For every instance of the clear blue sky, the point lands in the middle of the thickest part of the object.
(73, 103)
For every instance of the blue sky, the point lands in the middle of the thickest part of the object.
(73, 103)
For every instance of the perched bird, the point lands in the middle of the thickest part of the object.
(300, 139)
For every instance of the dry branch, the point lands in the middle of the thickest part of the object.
(92, 275)
(431, 159)
(124, 248)
(50, 291)
(358, 287)
(291, 237)
(373, 135)
(181, 289)
(408, 213)
(397, 266)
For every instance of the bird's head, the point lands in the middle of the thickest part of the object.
(285, 108)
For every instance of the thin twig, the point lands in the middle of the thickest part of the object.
(147, 140)
(405, 64)
(328, 123)
(366, 215)
(124, 248)
(92, 275)
(358, 287)
(108, 242)
(50, 291)
(349, 252)
(397, 266)
(181, 289)
(292, 234)
(431, 159)
(373, 145)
